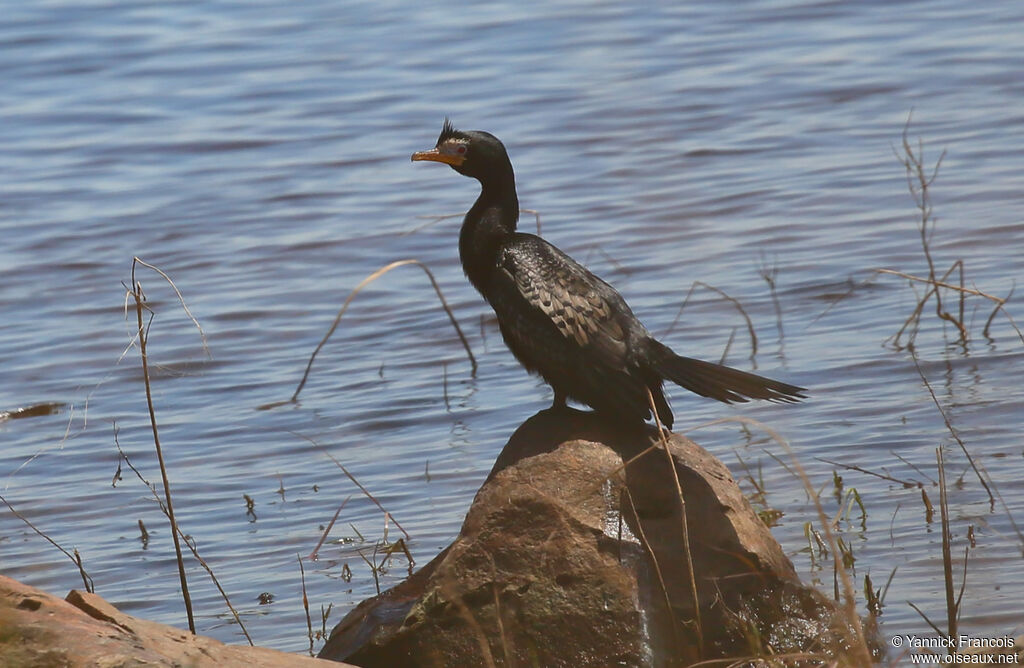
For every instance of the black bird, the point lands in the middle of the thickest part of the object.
(560, 320)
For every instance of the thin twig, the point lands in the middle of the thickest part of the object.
(853, 287)
(774, 435)
(305, 602)
(436, 218)
(949, 426)
(453, 597)
(999, 302)
(941, 284)
(181, 299)
(314, 554)
(732, 300)
(351, 477)
(770, 659)
(86, 578)
(999, 306)
(1006, 509)
(854, 467)
(431, 220)
(927, 621)
(963, 583)
(657, 568)
(363, 283)
(858, 641)
(190, 544)
(769, 275)
(947, 561)
(912, 465)
(728, 346)
(138, 296)
(373, 567)
(683, 523)
(919, 182)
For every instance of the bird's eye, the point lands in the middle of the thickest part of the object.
(461, 149)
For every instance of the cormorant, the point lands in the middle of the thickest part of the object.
(560, 320)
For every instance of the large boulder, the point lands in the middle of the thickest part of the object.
(574, 553)
(84, 631)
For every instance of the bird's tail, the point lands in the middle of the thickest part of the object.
(718, 381)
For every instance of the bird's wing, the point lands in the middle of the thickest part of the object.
(582, 307)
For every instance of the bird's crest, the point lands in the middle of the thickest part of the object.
(448, 131)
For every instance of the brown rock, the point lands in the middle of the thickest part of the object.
(547, 571)
(84, 631)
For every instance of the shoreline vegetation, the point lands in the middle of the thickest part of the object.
(839, 511)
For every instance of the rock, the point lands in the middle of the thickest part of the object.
(84, 631)
(548, 570)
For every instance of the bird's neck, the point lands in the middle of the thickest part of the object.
(490, 222)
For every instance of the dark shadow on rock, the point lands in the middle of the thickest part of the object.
(548, 569)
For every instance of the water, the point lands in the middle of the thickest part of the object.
(259, 154)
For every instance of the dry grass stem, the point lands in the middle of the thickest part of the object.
(997, 309)
(181, 299)
(951, 428)
(857, 644)
(919, 182)
(732, 300)
(373, 567)
(854, 467)
(927, 621)
(683, 524)
(769, 660)
(505, 645)
(947, 557)
(316, 551)
(139, 298)
(358, 484)
(60, 444)
(436, 218)
(963, 582)
(728, 346)
(430, 220)
(455, 599)
(974, 292)
(305, 602)
(189, 543)
(769, 274)
(86, 579)
(1006, 509)
(612, 261)
(596, 486)
(913, 466)
(751, 422)
(929, 510)
(952, 603)
(348, 300)
(774, 435)
(657, 567)
(444, 385)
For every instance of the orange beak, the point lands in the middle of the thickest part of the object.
(437, 155)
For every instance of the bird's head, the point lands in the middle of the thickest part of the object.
(471, 153)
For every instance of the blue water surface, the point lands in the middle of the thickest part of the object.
(258, 153)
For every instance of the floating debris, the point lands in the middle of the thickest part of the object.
(36, 410)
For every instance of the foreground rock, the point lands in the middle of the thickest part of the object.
(568, 559)
(84, 631)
